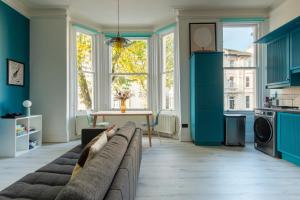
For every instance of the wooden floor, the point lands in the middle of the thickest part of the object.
(182, 171)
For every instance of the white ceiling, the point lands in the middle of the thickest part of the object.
(141, 12)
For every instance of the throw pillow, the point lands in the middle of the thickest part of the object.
(110, 132)
(97, 146)
(86, 151)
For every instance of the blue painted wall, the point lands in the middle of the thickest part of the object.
(14, 44)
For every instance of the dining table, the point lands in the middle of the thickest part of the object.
(146, 113)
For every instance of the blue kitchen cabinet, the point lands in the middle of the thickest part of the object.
(295, 51)
(288, 136)
(278, 62)
(206, 102)
(283, 60)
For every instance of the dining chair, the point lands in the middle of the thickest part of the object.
(90, 120)
(154, 124)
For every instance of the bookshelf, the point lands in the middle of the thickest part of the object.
(20, 135)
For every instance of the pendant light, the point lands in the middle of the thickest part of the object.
(118, 42)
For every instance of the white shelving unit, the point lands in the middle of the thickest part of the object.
(14, 143)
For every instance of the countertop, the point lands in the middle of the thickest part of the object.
(297, 111)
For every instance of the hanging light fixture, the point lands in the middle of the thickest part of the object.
(118, 42)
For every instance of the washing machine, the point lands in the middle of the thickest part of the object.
(265, 132)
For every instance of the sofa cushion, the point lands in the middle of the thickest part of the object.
(113, 195)
(121, 183)
(127, 131)
(95, 179)
(46, 178)
(57, 169)
(21, 190)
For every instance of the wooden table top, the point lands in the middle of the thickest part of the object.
(118, 113)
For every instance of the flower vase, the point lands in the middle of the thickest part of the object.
(123, 106)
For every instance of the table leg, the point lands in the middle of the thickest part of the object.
(149, 130)
(95, 121)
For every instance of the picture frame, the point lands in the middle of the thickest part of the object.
(203, 37)
(15, 73)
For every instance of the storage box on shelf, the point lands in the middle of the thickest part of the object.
(20, 135)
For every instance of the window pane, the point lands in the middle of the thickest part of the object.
(136, 84)
(133, 59)
(239, 50)
(168, 91)
(85, 80)
(84, 44)
(239, 53)
(168, 52)
(85, 91)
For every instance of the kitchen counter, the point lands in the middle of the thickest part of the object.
(296, 111)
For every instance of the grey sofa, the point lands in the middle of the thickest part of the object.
(111, 175)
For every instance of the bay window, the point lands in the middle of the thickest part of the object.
(129, 72)
(167, 71)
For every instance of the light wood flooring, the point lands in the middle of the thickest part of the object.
(182, 171)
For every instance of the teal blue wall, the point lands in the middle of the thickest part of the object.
(14, 44)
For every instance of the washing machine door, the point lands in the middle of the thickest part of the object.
(263, 130)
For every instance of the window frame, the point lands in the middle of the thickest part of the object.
(161, 71)
(110, 74)
(256, 60)
(94, 72)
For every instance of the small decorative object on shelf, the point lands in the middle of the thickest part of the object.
(27, 104)
(123, 96)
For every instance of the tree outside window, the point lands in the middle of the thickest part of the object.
(129, 71)
(85, 71)
(167, 75)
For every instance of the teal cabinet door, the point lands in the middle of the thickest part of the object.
(206, 103)
(288, 136)
(278, 62)
(295, 51)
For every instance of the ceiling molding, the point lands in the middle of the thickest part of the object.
(85, 22)
(128, 29)
(18, 6)
(182, 14)
(53, 12)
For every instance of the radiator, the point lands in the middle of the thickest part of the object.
(81, 122)
(166, 124)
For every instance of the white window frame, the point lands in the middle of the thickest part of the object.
(255, 54)
(161, 70)
(124, 74)
(94, 63)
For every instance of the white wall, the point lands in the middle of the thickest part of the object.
(285, 12)
(183, 19)
(49, 72)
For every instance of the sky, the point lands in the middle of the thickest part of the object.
(237, 38)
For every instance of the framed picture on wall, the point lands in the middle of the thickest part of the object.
(15, 73)
(203, 37)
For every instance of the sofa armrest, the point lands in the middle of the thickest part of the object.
(88, 134)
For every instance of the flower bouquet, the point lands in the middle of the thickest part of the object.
(122, 96)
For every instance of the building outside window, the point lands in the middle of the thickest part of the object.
(167, 71)
(247, 81)
(85, 70)
(231, 103)
(239, 65)
(231, 81)
(247, 102)
(129, 71)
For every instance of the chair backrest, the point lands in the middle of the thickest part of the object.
(156, 118)
(89, 117)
